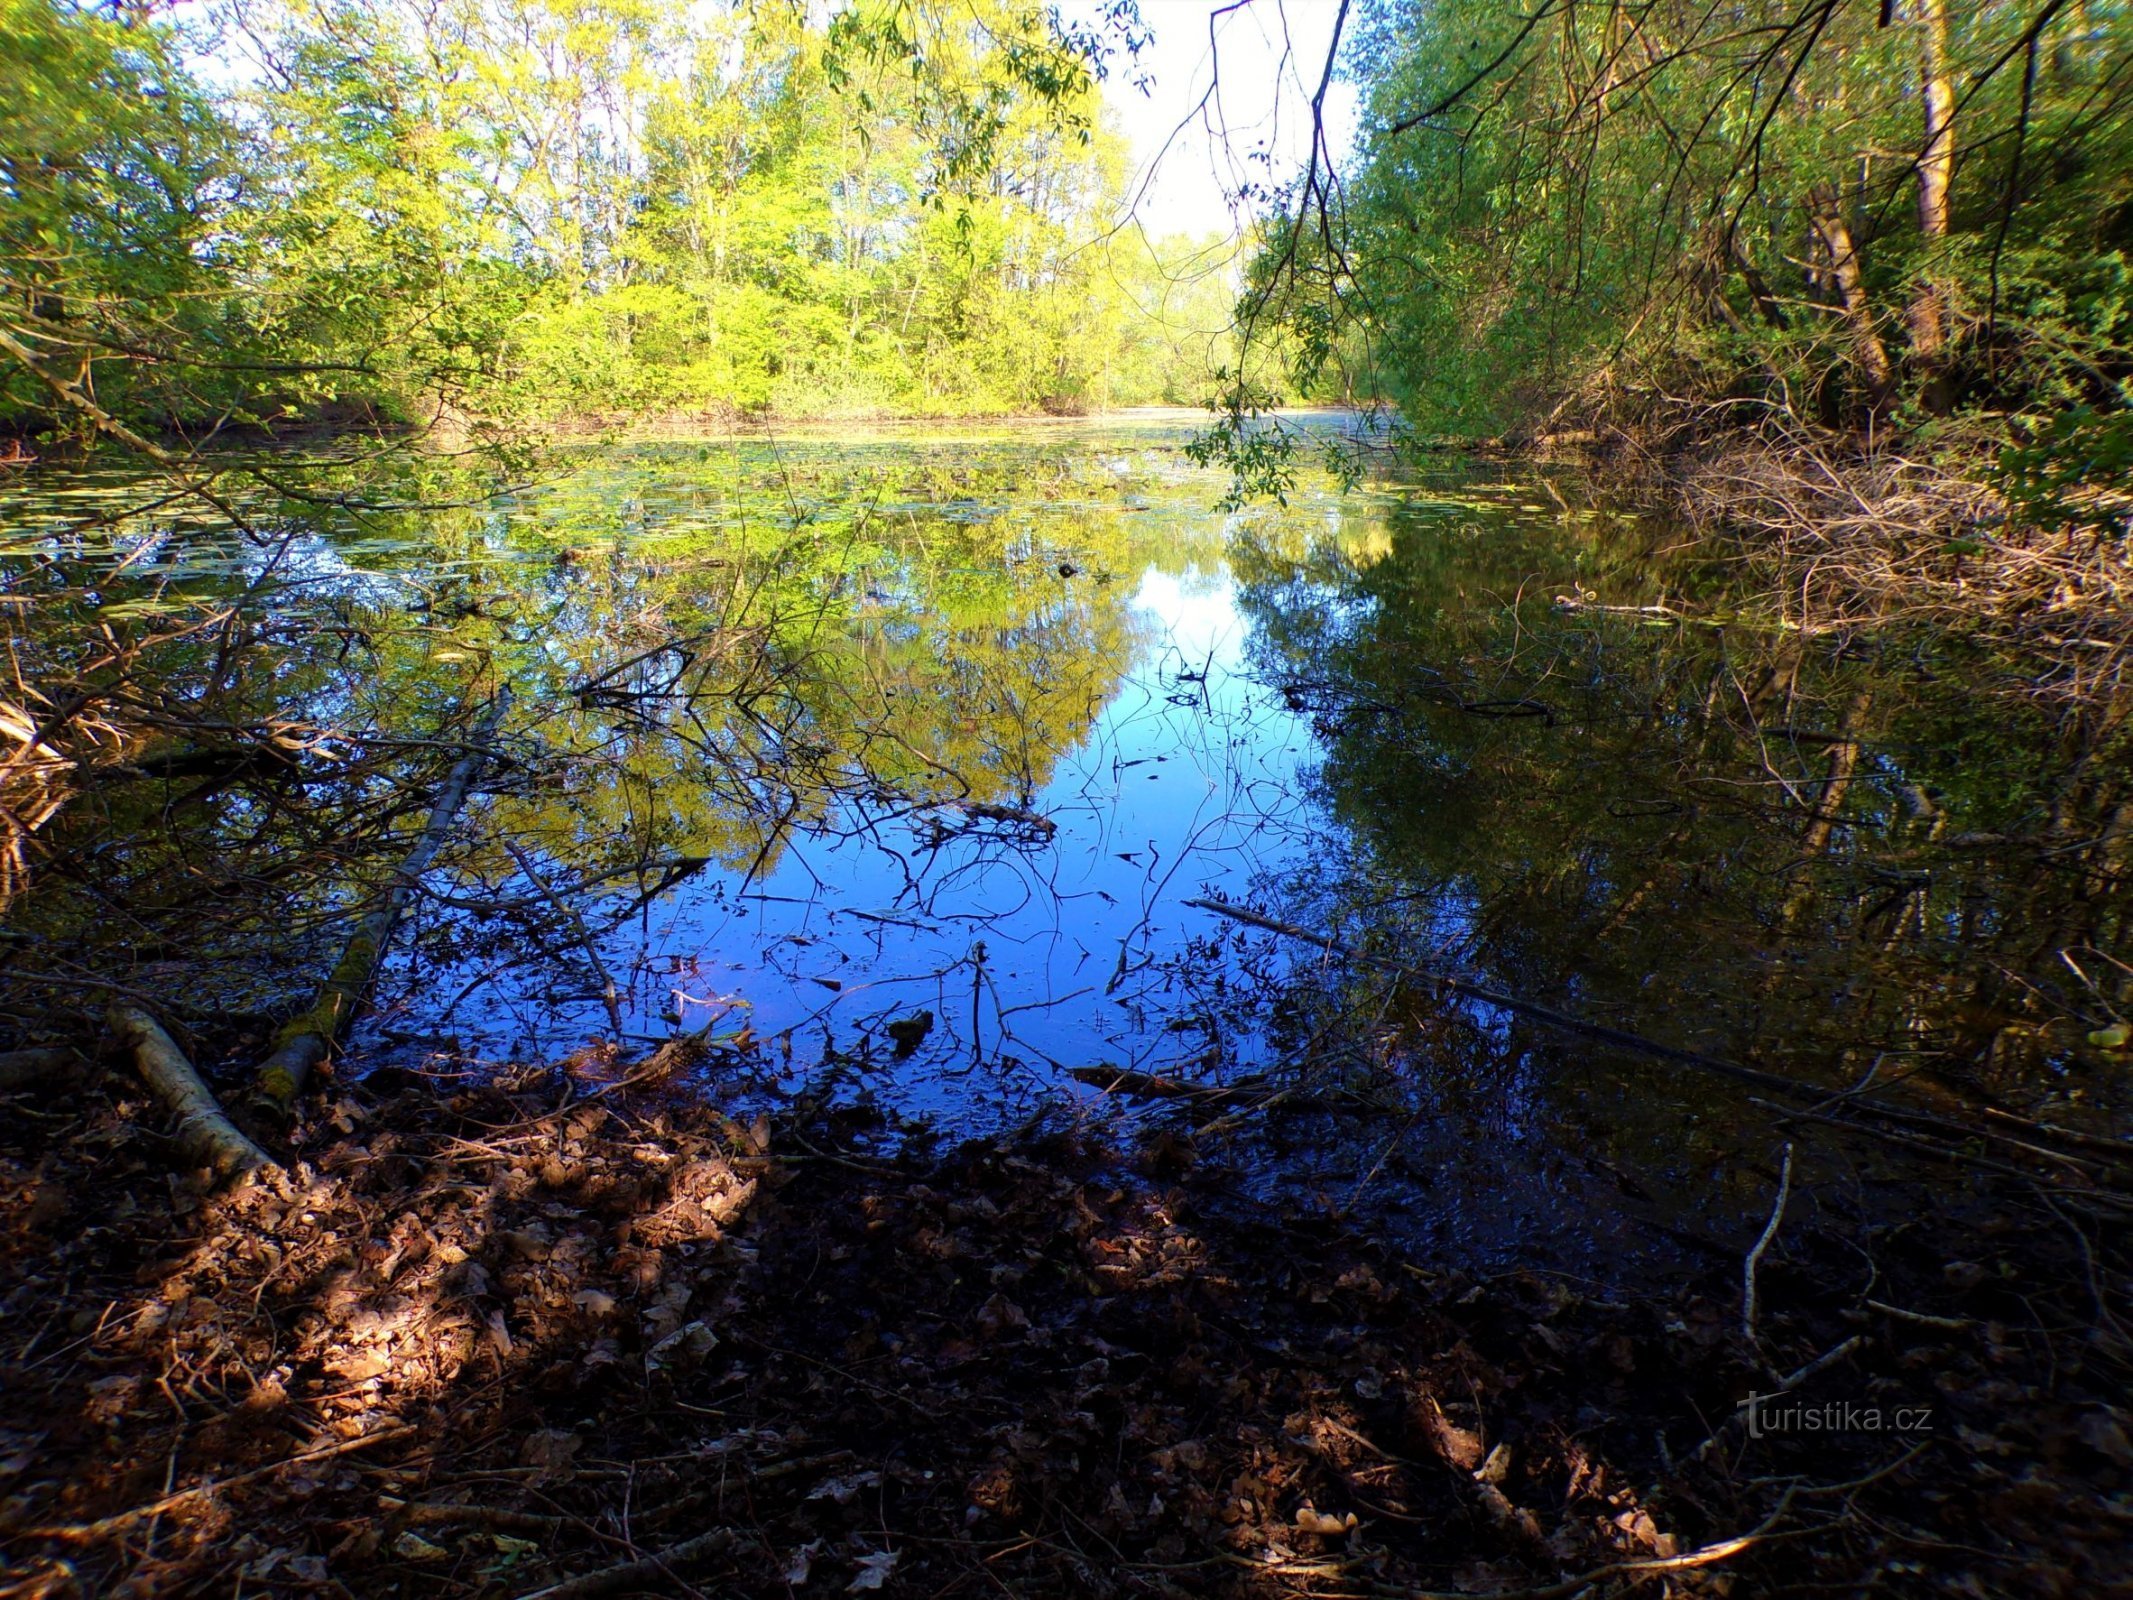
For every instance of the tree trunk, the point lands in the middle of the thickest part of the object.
(1835, 235)
(1828, 805)
(1759, 291)
(1843, 761)
(1936, 169)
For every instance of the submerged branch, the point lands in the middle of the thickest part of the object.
(1816, 1095)
(307, 1039)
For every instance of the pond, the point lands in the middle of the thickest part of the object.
(891, 765)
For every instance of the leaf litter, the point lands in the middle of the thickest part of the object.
(520, 1340)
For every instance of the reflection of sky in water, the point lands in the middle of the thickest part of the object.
(1323, 709)
(1034, 950)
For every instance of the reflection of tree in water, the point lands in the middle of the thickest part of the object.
(834, 681)
(1830, 854)
(713, 653)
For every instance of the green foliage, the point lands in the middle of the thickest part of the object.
(113, 168)
(1263, 451)
(522, 210)
(2074, 470)
(928, 255)
(1581, 207)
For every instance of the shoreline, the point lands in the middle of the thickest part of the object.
(455, 431)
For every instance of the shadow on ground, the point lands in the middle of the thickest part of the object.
(571, 1337)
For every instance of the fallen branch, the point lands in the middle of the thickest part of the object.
(205, 1133)
(1785, 1385)
(1147, 1086)
(1578, 602)
(609, 994)
(646, 1570)
(305, 1041)
(1755, 1256)
(1921, 1318)
(103, 1529)
(1236, 1118)
(1923, 1147)
(1638, 1044)
(1557, 1019)
(681, 644)
(2119, 1150)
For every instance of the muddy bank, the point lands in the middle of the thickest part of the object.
(574, 1334)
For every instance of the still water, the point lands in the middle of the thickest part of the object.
(1001, 744)
(888, 765)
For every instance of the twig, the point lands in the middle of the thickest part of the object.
(1709, 1555)
(629, 1574)
(126, 1519)
(1755, 1256)
(1821, 1363)
(1953, 1324)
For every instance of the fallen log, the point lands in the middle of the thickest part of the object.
(307, 1039)
(204, 1133)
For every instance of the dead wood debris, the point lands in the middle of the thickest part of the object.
(488, 1344)
(205, 1135)
(307, 1039)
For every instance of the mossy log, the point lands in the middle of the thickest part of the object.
(305, 1040)
(205, 1133)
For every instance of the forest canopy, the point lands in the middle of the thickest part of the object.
(263, 210)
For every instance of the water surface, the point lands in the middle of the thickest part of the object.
(888, 765)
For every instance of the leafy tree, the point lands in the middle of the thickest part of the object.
(114, 173)
(515, 209)
(1847, 215)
